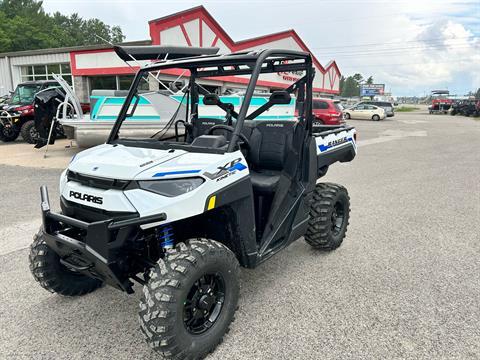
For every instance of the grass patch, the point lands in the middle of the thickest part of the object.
(406, 109)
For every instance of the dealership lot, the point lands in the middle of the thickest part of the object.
(405, 284)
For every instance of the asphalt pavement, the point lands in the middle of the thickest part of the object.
(404, 285)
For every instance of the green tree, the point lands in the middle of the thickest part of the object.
(350, 87)
(341, 84)
(24, 25)
(358, 78)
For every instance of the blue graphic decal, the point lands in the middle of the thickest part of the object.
(238, 166)
(180, 172)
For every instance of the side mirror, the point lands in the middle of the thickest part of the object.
(280, 97)
(211, 99)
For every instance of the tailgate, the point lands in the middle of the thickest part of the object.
(335, 145)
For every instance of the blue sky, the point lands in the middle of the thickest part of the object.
(412, 46)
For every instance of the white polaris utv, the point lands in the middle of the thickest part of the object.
(180, 211)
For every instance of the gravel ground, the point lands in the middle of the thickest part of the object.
(404, 285)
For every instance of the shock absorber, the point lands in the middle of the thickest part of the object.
(165, 236)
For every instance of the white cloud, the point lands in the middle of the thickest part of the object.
(446, 53)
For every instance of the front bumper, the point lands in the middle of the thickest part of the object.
(7, 119)
(95, 248)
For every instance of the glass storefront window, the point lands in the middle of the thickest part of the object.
(53, 69)
(103, 83)
(39, 70)
(65, 68)
(110, 82)
(45, 71)
(125, 81)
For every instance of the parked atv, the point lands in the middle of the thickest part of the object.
(180, 213)
(17, 117)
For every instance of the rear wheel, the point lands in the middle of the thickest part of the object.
(53, 276)
(329, 214)
(190, 299)
(347, 116)
(375, 118)
(29, 132)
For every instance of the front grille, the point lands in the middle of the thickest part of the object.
(97, 182)
(91, 214)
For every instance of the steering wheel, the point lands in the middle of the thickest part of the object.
(242, 137)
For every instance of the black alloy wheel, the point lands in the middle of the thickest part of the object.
(204, 303)
(338, 217)
(329, 214)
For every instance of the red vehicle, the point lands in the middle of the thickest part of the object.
(440, 102)
(327, 112)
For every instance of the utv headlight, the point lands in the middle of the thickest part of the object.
(172, 187)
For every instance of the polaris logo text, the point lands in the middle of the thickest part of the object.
(86, 197)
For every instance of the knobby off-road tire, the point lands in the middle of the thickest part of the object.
(29, 132)
(8, 135)
(53, 276)
(329, 214)
(176, 293)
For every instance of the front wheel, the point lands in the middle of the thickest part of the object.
(329, 215)
(8, 133)
(190, 299)
(53, 276)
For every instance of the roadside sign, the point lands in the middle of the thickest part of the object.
(372, 89)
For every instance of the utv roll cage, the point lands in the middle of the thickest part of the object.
(252, 63)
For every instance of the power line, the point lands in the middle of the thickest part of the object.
(393, 51)
(389, 43)
(401, 64)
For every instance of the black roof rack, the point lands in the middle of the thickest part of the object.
(221, 61)
(158, 52)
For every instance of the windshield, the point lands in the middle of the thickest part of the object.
(24, 94)
(186, 107)
(384, 104)
(161, 109)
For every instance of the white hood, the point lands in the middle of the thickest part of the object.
(118, 161)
